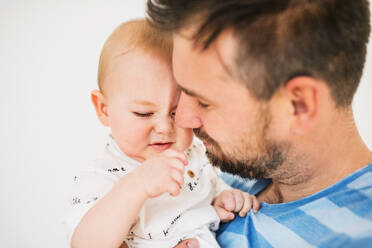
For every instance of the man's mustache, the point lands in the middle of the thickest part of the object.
(204, 136)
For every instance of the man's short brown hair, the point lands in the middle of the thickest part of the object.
(281, 39)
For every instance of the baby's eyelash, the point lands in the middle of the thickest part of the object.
(143, 114)
(203, 105)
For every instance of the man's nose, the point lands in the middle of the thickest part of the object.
(187, 112)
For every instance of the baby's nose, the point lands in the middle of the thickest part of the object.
(164, 125)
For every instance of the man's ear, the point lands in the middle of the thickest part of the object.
(304, 93)
(99, 103)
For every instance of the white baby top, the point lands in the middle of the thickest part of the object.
(165, 220)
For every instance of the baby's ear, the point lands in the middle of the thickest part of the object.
(99, 103)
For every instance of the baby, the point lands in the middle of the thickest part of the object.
(153, 186)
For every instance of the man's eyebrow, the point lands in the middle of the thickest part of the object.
(192, 93)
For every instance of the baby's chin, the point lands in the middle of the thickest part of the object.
(181, 146)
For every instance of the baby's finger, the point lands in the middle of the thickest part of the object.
(174, 189)
(177, 176)
(256, 204)
(226, 200)
(177, 164)
(248, 202)
(239, 200)
(223, 214)
(175, 154)
(188, 243)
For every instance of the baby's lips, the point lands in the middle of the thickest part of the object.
(161, 147)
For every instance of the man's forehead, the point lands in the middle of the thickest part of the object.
(226, 47)
(204, 74)
(191, 61)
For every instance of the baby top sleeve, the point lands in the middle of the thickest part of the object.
(95, 181)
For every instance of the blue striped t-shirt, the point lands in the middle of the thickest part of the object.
(338, 216)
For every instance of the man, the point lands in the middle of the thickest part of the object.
(268, 86)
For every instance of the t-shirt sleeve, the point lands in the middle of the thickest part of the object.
(89, 186)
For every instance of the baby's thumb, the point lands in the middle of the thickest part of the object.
(223, 214)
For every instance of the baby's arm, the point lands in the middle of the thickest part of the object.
(108, 222)
(233, 201)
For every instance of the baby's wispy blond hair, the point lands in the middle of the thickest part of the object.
(129, 36)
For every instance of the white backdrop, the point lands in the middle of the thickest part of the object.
(49, 52)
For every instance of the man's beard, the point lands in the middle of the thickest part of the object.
(257, 167)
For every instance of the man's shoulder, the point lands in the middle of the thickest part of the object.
(362, 180)
(339, 216)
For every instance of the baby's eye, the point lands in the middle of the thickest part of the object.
(143, 114)
(203, 105)
(173, 114)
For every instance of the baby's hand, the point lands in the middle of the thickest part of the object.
(162, 173)
(233, 201)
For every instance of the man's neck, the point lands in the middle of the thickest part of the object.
(334, 159)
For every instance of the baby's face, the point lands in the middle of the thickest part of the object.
(142, 97)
